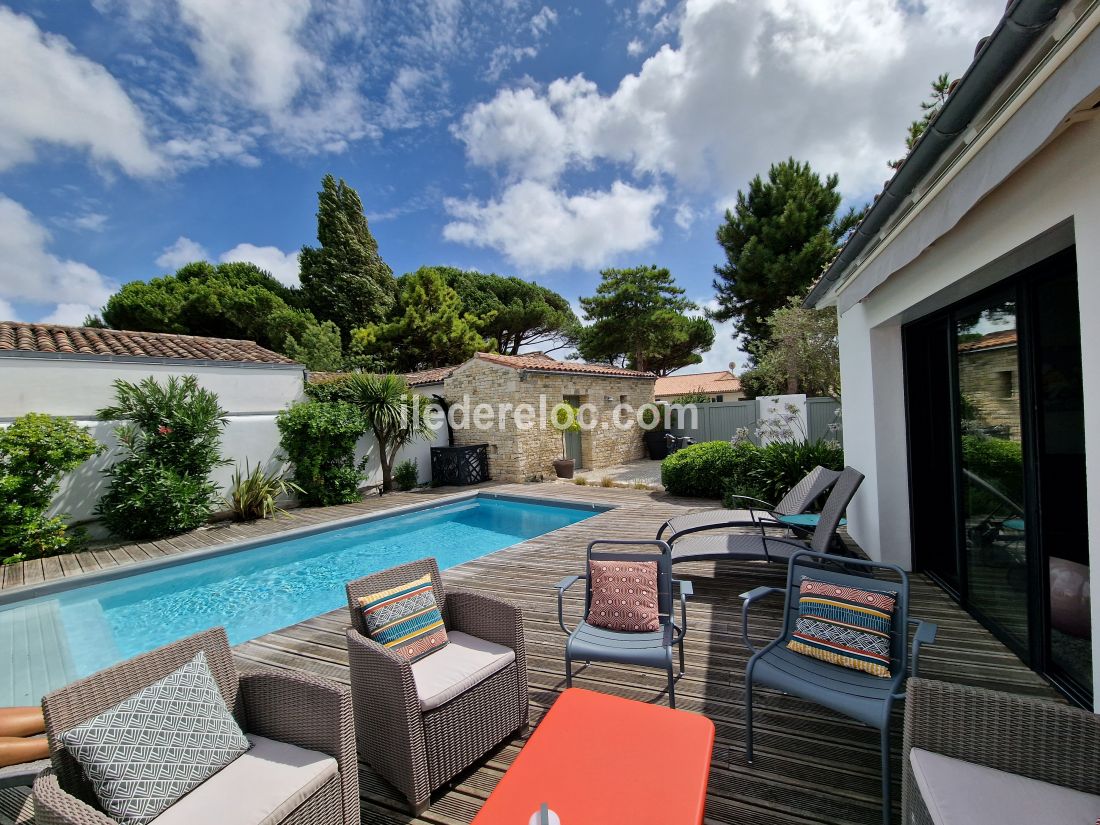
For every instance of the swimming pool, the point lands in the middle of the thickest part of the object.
(251, 589)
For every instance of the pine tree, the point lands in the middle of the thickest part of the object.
(429, 329)
(639, 319)
(318, 347)
(941, 88)
(777, 240)
(345, 280)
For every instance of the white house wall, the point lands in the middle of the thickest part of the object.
(1051, 202)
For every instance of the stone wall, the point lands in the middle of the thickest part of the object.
(990, 379)
(516, 454)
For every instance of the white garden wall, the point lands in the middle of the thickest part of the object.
(252, 395)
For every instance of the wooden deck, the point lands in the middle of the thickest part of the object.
(812, 766)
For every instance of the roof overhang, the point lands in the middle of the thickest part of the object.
(1038, 68)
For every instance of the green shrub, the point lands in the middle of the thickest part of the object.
(782, 464)
(253, 494)
(701, 470)
(996, 460)
(406, 475)
(319, 438)
(36, 450)
(170, 443)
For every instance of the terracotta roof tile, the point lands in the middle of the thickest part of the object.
(709, 382)
(426, 377)
(51, 338)
(1001, 338)
(544, 363)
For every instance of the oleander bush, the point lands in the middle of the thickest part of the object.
(319, 438)
(406, 475)
(36, 451)
(170, 441)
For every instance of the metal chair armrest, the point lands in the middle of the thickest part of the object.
(925, 635)
(562, 586)
(687, 590)
(748, 598)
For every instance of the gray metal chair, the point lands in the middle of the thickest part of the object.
(647, 649)
(695, 545)
(797, 501)
(861, 696)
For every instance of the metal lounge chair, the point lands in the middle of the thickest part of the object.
(760, 546)
(647, 649)
(861, 696)
(796, 502)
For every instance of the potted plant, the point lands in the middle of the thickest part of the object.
(564, 419)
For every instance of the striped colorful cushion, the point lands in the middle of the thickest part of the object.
(405, 619)
(844, 625)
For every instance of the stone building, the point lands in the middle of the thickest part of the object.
(504, 382)
(989, 381)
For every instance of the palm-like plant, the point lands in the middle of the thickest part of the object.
(253, 494)
(395, 415)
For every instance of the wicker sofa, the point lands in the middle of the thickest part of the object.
(420, 724)
(978, 756)
(282, 708)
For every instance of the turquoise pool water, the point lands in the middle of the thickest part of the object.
(57, 638)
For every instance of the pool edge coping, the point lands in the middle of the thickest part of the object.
(26, 592)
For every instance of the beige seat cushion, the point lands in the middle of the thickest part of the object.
(261, 787)
(454, 669)
(962, 793)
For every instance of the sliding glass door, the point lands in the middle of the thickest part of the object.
(996, 438)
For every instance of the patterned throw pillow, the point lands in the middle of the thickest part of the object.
(624, 596)
(844, 625)
(405, 619)
(152, 748)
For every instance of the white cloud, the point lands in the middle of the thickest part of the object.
(542, 21)
(635, 47)
(685, 216)
(50, 94)
(829, 81)
(7, 311)
(86, 221)
(30, 273)
(283, 265)
(649, 7)
(539, 228)
(182, 251)
(69, 315)
(726, 349)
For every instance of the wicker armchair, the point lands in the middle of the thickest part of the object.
(1033, 738)
(290, 708)
(418, 749)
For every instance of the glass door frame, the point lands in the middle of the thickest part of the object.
(1036, 652)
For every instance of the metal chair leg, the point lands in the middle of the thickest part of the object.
(748, 716)
(681, 657)
(671, 688)
(568, 669)
(886, 812)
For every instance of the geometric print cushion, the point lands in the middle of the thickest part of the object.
(844, 625)
(624, 596)
(405, 619)
(150, 749)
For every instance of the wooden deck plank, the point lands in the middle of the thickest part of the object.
(813, 766)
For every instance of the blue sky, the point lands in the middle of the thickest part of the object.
(546, 140)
